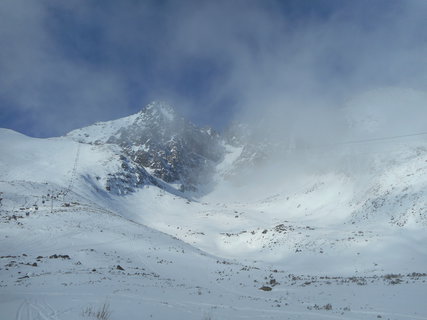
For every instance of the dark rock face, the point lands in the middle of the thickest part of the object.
(129, 178)
(174, 149)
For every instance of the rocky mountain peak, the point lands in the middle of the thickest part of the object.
(160, 107)
(158, 139)
(157, 111)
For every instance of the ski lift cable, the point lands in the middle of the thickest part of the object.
(382, 138)
(361, 141)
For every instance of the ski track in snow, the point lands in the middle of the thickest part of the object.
(32, 309)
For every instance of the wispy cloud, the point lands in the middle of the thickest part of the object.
(294, 63)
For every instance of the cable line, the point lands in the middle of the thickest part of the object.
(73, 172)
(382, 138)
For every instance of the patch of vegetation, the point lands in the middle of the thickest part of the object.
(102, 313)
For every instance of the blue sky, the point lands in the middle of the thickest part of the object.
(67, 64)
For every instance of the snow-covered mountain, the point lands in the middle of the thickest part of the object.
(156, 138)
(109, 214)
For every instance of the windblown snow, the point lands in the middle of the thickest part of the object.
(83, 226)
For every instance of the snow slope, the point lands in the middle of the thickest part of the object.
(333, 245)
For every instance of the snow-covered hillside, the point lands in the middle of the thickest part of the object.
(84, 223)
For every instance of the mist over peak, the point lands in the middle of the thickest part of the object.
(160, 108)
(387, 111)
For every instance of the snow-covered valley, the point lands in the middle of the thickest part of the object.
(83, 224)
